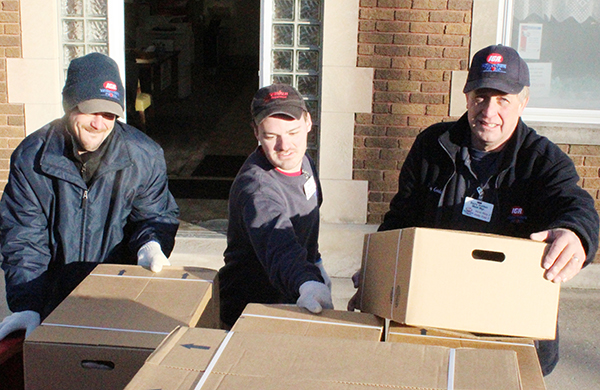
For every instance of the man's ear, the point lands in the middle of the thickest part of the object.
(308, 121)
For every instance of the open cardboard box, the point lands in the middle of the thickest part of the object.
(282, 361)
(529, 365)
(459, 280)
(291, 319)
(102, 333)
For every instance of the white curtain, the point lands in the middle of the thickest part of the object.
(560, 10)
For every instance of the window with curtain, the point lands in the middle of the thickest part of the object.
(560, 41)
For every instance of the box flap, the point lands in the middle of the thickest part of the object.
(122, 305)
(291, 319)
(275, 361)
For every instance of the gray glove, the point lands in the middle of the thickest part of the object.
(28, 320)
(151, 256)
(314, 296)
(324, 274)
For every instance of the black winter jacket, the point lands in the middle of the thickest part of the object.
(54, 229)
(536, 188)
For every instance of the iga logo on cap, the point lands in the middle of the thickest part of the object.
(494, 58)
(110, 85)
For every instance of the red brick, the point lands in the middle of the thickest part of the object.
(376, 14)
(403, 132)
(370, 175)
(426, 75)
(427, 98)
(447, 16)
(391, 50)
(587, 171)
(10, 6)
(366, 49)
(394, 3)
(391, 74)
(366, 25)
(586, 150)
(426, 51)
(408, 63)
(593, 161)
(438, 109)
(445, 40)
(412, 15)
(408, 109)
(436, 86)
(390, 119)
(374, 62)
(427, 28)
(410, 39)
(465, 5)
(392, 26)
(430, 4)
(450, 64)
(392, 97)
(456, 52)
(375, 38)
(404, 86)
(457, 29)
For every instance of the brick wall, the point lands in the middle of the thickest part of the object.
(414, 45)
(12, 116)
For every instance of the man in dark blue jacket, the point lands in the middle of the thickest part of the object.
(521, 183)
(82, 190)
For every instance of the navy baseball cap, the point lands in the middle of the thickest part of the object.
(277, 99)
(94, 85)
(498, 67)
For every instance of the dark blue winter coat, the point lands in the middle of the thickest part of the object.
(54, 228)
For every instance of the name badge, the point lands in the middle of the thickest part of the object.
(310, 187)
(478, 209)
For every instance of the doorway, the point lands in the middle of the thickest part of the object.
(198, 61)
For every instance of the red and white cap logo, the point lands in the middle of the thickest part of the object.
(494, 58)
(111, 86)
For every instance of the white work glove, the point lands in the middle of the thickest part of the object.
(28, 320)
(314, 296)
(151, 256)
(326, 278)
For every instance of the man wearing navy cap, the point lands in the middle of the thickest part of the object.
(522, 183)
(82, 190)
(272, 253)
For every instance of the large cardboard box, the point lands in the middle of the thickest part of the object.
(102, 333)
(458, 280)
(253, 361)
(179, 361)
(291, 319)
(529, 365)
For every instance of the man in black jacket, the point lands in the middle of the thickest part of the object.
(82, 190)
(520, 183)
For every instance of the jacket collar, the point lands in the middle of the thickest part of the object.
(54, 159)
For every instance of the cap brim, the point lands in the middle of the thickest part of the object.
(95, 106)
(291, 111)
(491, 83)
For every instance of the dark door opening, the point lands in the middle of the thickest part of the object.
(198, 60)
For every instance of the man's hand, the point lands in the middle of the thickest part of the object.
(354, 303)
(28, 320)
(314, 296)
(324, 274)
(151, 256)
(566, 255)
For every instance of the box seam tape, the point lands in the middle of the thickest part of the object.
(213, 361)
(106, 329)
(152, 278)
(462, 339)
(451, 368)
(310, 321)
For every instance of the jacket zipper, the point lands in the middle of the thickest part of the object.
(84, 199)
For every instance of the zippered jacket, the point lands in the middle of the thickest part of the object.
(536, 188)
(54, 228)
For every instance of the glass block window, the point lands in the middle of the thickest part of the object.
(296, 54)
(84, 29)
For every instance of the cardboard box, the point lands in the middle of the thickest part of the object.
(291, 319)
(529, 365)
(458, 280)
(102, 333)
(280, 361)
(179, 361)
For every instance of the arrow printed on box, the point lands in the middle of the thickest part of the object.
(190, 346)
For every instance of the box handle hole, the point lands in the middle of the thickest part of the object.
(479, 254)
(97, 365)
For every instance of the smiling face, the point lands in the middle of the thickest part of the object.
(90, 129)
(284, 139)
(493, 116)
